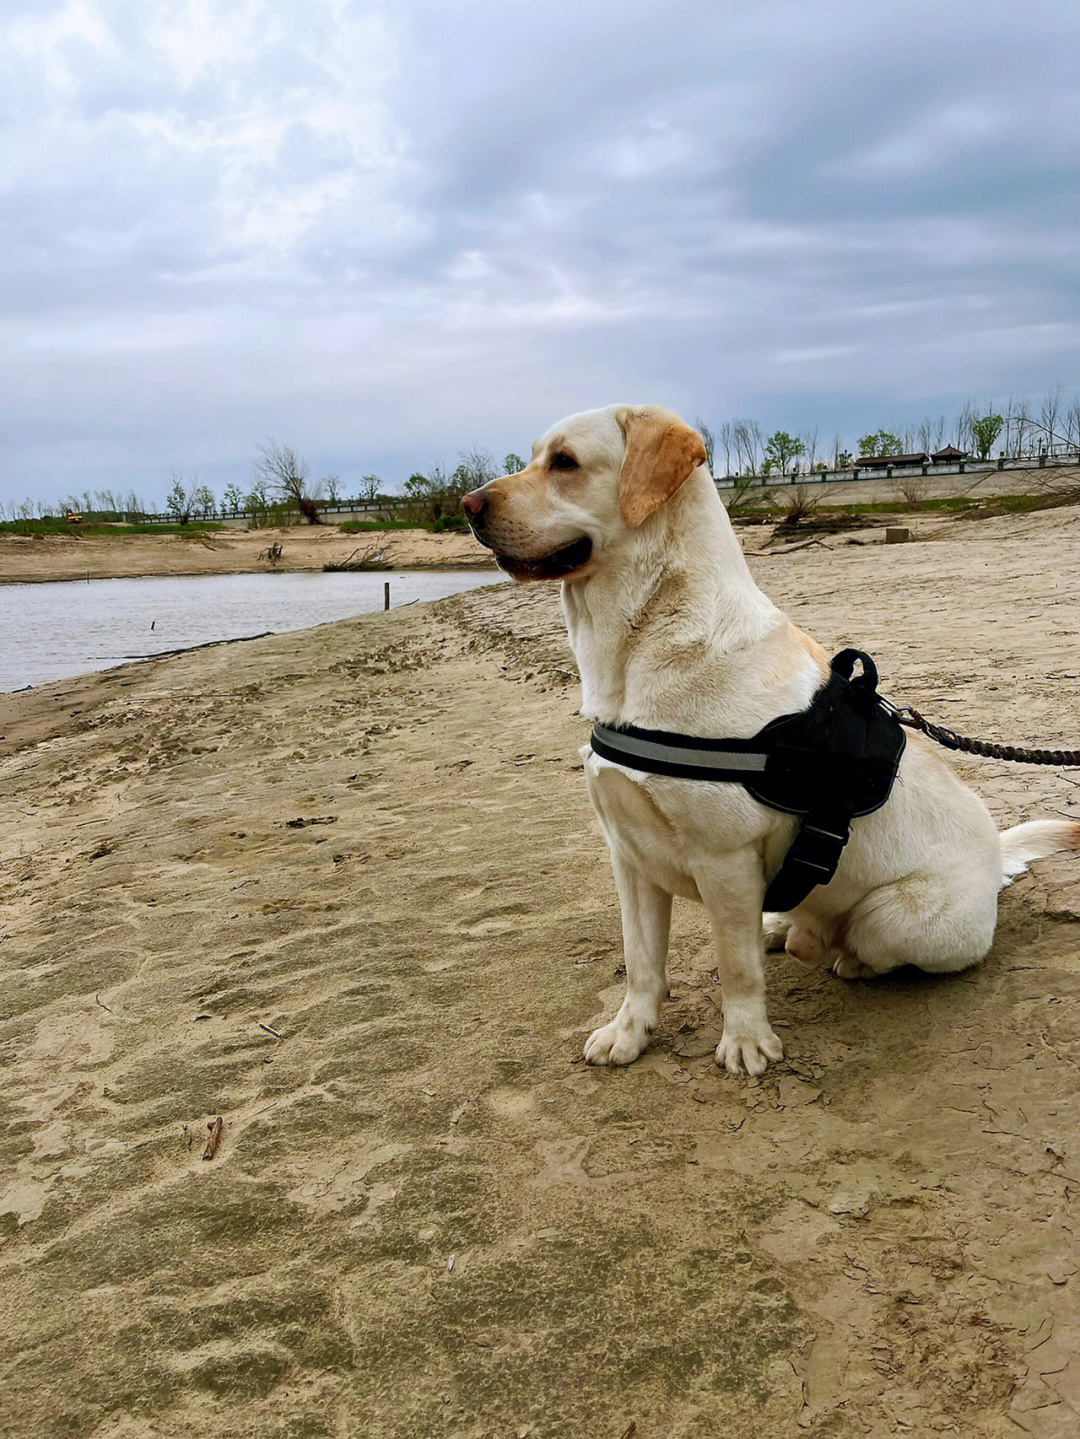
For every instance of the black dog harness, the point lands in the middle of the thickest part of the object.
(829, 764)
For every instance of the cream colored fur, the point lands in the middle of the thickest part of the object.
(671, 632)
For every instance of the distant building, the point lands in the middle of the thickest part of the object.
(881, 462)
(950, 452)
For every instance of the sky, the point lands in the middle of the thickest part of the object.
(384, 233)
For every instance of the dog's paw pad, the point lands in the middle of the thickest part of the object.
(749, 1053)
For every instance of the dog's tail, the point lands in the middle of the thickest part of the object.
(1034, 840)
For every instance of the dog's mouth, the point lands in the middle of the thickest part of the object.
(555, 566)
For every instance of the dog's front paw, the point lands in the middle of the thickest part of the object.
(745, 1050)
(616, 1043)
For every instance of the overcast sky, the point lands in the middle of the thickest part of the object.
(381, 233)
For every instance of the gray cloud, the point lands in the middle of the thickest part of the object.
(383, 235)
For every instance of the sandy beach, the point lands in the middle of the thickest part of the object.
(343, 889)
(32, 558)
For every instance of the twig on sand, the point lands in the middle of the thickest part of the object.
(269, 1030)
(105, 1007)
(630, 1430)
(790, 549)
(215, 1138)
(372, 558)
(207, 645)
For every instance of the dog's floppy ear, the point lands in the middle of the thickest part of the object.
(662, 452)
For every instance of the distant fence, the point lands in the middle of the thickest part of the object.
(390, 507)
(1047, 459)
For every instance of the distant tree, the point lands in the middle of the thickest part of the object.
(204, 501)
(748, 445)
(726, 438)
(233, 498)
(370, 486)
(180, 501)
(1048, 415)
(708, 440)
(286, 474)
(964, 440)
(881, 442)
(984, 431)
(428, 493)
(256, 502)
(333, 488)
(1021, 426)
(475, 469)
(783, 447)
(512, 464)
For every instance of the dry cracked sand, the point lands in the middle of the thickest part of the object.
(344, 889)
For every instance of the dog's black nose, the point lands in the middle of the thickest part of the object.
(474, 504)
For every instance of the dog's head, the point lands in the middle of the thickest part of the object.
(592, 481)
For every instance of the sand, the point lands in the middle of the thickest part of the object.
(343, 888)
(30, 558)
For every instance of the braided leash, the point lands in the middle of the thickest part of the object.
(908, 715)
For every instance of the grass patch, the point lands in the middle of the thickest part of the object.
(55, 526)
(949, 505)
(360, 527)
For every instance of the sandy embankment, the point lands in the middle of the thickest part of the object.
(101, 557)
(343, 888)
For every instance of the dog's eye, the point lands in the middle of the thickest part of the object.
(563, 461)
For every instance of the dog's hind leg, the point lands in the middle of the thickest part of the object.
(937, 922)
(646, 922)
(807, 944)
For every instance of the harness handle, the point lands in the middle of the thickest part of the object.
(844, 664)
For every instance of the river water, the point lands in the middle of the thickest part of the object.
(55, 630)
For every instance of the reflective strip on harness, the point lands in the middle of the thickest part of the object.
(703, 761)
(828, 764)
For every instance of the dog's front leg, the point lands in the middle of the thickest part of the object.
(732, 891)
(646, 922)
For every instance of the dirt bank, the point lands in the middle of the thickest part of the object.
(343, 889)
(30, 558)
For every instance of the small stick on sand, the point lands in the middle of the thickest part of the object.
(215, 1137)
(268, 1029)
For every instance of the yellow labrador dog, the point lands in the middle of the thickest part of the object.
(671, 633)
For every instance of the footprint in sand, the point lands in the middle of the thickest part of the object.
(494, 921)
